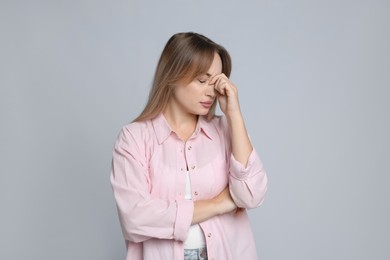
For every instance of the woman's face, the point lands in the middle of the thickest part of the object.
(197, 97)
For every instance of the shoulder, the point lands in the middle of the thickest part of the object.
(137, 127)
(135, 133)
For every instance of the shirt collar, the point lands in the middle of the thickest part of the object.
(163, 130)
(207, 127)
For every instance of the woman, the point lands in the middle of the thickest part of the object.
(183, 177)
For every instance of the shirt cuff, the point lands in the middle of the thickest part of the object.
(185, 211)
(239, 171)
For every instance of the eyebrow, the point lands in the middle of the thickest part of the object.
(207, 74)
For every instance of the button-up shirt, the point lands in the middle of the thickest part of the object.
(149, 180)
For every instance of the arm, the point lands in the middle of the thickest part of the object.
(205, 209)
(247, 179)
(241, 146)
(142, 216)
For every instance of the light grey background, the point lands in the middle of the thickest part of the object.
(314, 86)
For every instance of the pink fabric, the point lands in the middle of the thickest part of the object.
(148, 179)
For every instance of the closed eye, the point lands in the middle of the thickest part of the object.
(204, 78)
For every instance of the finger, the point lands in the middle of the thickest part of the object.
(214, 79)
(225, 87)
(217, 77)
(219, 86)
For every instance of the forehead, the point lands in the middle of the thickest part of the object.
(216, 66)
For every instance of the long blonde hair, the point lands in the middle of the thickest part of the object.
(185, 56)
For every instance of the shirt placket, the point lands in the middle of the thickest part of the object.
(181, 169)
(190, 158)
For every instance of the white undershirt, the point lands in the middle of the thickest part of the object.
(195, 238)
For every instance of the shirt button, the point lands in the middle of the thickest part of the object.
(181, 169)
(209, 235)
(196, 193)
(193, 167)
(189, 147)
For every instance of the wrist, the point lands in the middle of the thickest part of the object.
(236, 115)
(235, 120)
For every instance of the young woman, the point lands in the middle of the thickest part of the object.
(183, 177)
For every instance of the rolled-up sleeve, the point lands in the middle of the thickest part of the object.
(142, 216)
(247, 185)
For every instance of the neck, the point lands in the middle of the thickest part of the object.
(182, 124)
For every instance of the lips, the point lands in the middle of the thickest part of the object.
(207, 104)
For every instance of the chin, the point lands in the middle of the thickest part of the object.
(200, 112)
(203, 113)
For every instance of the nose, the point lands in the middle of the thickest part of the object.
(210, 91)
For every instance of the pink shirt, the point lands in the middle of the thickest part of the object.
(149, 179)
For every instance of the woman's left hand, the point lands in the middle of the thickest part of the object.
(227, 95)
